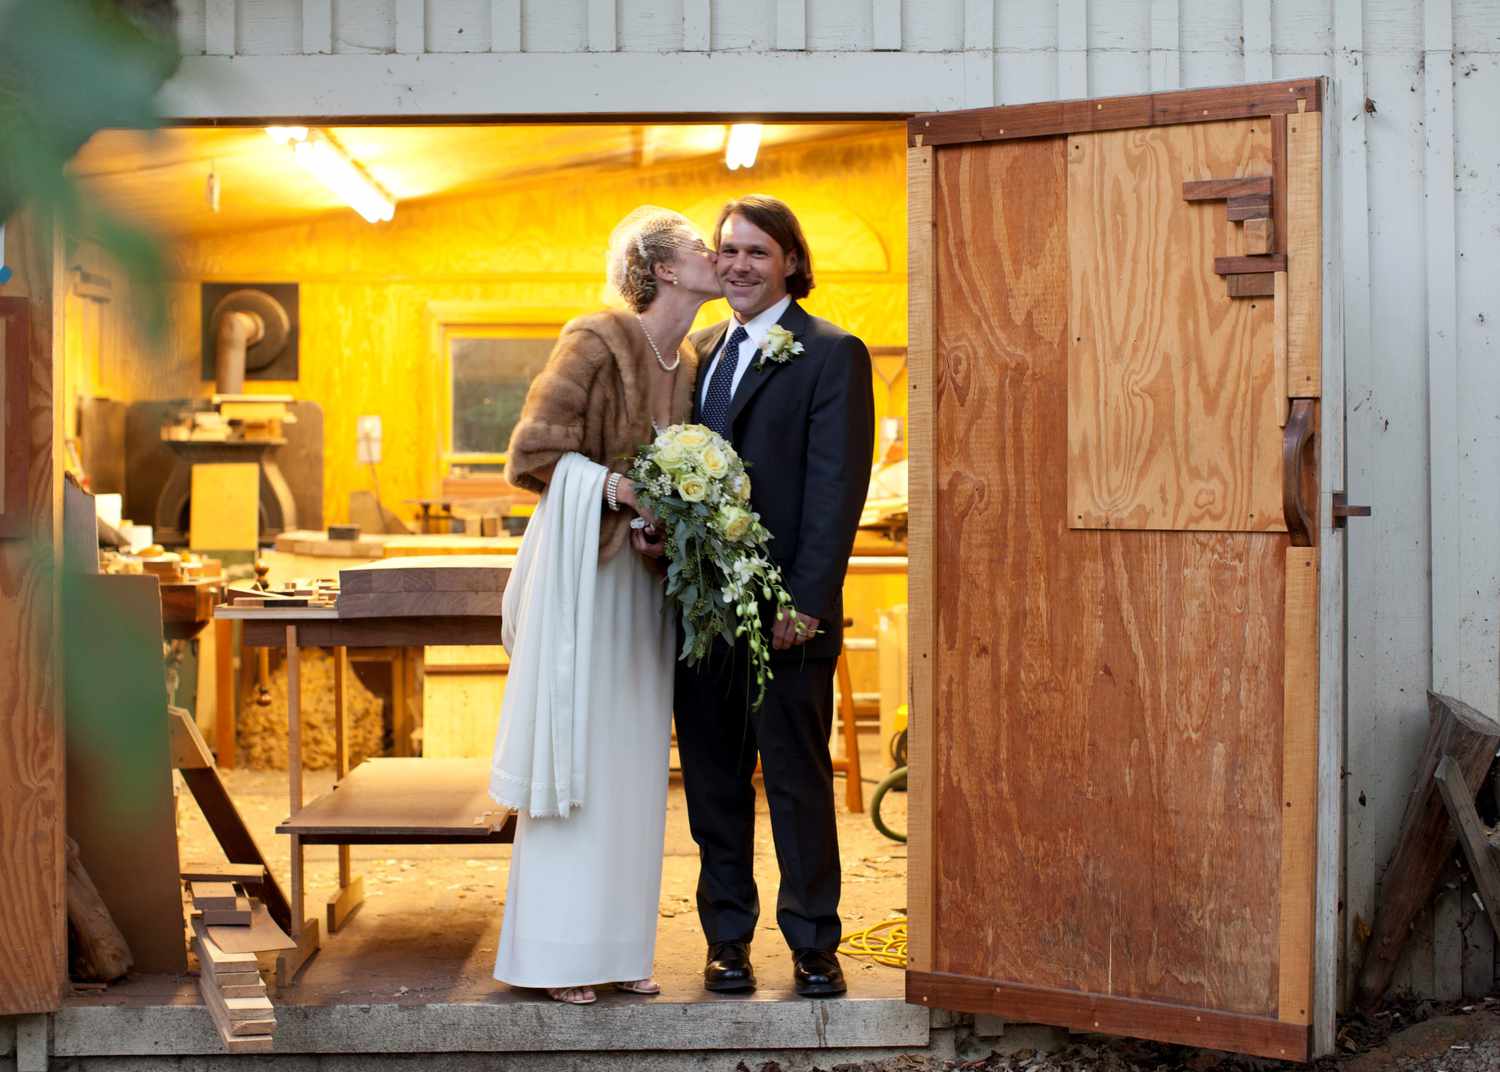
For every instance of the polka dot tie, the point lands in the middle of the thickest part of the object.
(721, 384)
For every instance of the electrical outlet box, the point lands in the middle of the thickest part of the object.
(368, 440)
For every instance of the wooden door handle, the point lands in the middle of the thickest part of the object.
(1296, 437)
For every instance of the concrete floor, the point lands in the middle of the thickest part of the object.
(427, 932)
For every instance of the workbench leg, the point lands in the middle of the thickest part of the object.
(400, 701)
(304, 930)
(224, 694)
(351, 891)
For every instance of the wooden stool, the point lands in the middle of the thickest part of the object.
(854, 790)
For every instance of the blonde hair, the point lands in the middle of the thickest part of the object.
(648, 236)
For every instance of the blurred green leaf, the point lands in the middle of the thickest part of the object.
(68, 69)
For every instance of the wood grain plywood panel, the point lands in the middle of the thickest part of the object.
(1107, 756)
(32, 861)
(1299, 785)
(1172, 406)
(1304, 246)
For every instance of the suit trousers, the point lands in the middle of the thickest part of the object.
(718, 738)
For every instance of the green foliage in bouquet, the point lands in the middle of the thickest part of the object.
(719, 574)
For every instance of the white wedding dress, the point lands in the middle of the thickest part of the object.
(584, 891)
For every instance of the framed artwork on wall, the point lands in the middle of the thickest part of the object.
(15, 336)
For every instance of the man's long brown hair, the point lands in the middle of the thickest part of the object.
(774, 217)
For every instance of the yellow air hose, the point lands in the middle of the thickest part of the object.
(884, 943)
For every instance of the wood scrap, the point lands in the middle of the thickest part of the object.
(262, 728)
(262, 935)
(1473, 837)
(247, 875)
(1427, 839)
(245, 1036)
(238, 916)
(99, 950)
(215, 895)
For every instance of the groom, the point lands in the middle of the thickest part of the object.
(804, 423)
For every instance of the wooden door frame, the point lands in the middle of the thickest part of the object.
(927, 133)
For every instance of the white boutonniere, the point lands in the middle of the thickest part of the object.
(781, 346)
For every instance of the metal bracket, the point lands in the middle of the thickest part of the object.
(1342, 509)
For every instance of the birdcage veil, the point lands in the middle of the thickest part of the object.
(645, 237)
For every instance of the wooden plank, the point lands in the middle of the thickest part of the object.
(1166, 45)
(1259, 235)
(1111, 1015)
(33, 861)
(1455, 729)
(219, 29)
(218, 959)
(1274, 262)
(603, 32)
(1299, 786)
(1247, 207)
(1304, 256)
(1278, 183)
(233, 1042)
(225, 507)
(1257, 285)
(1256, 20)
(1179, 433)
(1063, 658)
(403, 798)
(208, 895)
(886, 15)
(1331, 909)
(188, 747)
(249, 875)
(1472, 837)
(791, 24)
(1279, 353)
(379, 632)
(1072, 48)
(697, 23)
(260, 935)
(505, 25)
(225, 743)
(411, 26)
(921, 366)
(1113, 113)
(420, 605)
(317, 26)
(234, 838)
(238, 916)
(1224, 189)
(119, 749)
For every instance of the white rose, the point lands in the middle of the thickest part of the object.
(692, 488)
(714, 462)
(692, 436)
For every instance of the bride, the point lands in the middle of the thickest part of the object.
(581, 752)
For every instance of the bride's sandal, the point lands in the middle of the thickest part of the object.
(649, 987)
(573, 995)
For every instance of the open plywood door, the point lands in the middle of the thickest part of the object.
(1126, 431)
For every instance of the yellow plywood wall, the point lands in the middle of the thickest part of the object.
(366, 337)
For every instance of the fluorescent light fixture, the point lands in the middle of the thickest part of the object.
(328, 161)
(742, 146)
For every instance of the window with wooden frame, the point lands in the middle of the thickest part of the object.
(489, 357)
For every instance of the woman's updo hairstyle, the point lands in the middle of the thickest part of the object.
(649, 236)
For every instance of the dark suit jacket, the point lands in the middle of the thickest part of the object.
(806, 431)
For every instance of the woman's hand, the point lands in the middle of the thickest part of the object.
(625, 496)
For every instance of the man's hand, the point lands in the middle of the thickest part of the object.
(793, 629)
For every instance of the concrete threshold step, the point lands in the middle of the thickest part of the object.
(612, 1025)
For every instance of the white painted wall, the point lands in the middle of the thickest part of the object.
(1420, 201)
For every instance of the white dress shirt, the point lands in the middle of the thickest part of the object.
(757, 328)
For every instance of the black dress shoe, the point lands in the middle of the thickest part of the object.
(728, 970)
(816, 973)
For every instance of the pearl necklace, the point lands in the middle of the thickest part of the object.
(664, 366)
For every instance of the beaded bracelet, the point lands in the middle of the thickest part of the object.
(611, 492)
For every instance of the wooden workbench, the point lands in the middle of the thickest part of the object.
(396, 801)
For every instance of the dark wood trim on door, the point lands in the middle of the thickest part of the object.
(1115, 113)
(1261, 1036)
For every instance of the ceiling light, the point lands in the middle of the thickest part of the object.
(742, 146)
(328, 161)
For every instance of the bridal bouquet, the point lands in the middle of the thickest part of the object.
(718, 571)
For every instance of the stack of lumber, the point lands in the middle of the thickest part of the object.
(440, 585)
(229, 929)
